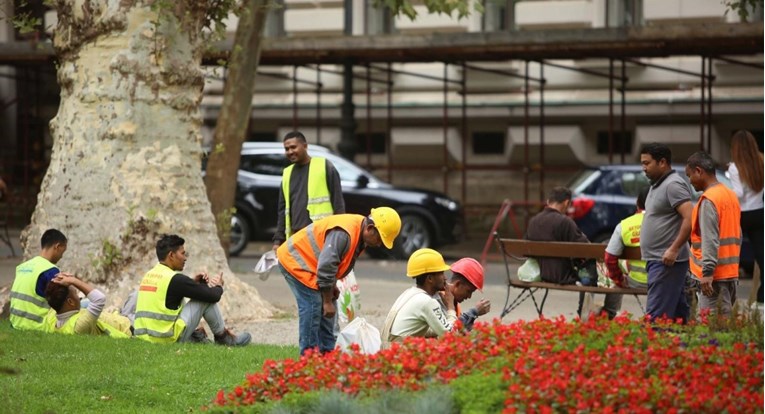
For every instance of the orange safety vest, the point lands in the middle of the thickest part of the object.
(300, 253)
(729, 217)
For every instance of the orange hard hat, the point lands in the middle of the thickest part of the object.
(471, 269)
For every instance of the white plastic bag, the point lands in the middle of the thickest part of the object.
(267, 262)
(349, 301)
(529, 271)
(360, 332)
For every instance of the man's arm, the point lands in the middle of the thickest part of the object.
(614, 249)
(280, 234)
(182, 286)
(438, 322)
(334, 185)
(685, 210)
(709, 226)
(336, 245)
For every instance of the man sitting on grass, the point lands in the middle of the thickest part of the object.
(160, 314)
(28, 308)
(67, 316)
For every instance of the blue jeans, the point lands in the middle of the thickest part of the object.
(314, 329)
(666, 290)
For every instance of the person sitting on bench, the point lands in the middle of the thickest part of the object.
(552, 224)
(627, 234)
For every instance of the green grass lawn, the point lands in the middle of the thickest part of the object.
(66, 374)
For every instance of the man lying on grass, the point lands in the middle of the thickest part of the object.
(160, 314)
(66, 315)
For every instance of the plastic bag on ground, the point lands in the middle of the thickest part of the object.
(349, 301)
(529, 271)
(266, 263)
(360, 332)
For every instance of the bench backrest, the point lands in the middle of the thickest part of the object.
(525, 248)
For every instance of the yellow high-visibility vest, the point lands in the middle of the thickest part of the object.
(153, 321)
(116, 326)
(27, 308)
(319, 202)
(631, 238)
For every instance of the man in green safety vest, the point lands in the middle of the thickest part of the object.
(160, 314)
(67, 316)
(28, 307)
(310, 189)
(627, 233)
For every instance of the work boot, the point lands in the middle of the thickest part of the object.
(199, 336)
(229, 339)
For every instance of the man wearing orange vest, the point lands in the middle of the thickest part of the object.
(715, 236)
(316, 257)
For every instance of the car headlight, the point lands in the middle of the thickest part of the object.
(446, 203)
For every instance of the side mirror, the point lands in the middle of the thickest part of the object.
(362, 181)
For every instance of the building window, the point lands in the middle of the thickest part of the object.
(377, 142)
(621, 143)
(262, 137)
(485, 143)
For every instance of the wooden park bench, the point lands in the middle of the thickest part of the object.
(522, 249)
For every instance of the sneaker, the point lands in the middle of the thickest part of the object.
(229, 339)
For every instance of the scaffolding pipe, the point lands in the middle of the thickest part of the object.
(294, 99)
(702, 102)
(446, 130)
(610, 110)
(318, 106)
(463, 171)
(369, 118)
(709, 104)
(623, 118)
(526, 134)
(542, 132)
(389, 124)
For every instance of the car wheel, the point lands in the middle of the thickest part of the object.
(414, 235)
(240, 234)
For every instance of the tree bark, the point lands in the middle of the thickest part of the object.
(125, 165)
(231, 129)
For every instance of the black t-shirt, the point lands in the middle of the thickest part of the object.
(182, 286)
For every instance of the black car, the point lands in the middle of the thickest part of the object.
(603, 196)
(428, 218)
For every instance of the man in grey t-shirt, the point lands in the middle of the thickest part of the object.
(664, 234)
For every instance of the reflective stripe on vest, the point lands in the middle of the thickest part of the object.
(319, 203)
(300, 254)
(27, 308)
(729, 222)
(153, 321)
(631, 238)
(68, 326)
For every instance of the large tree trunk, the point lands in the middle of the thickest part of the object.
(125, 165)
(231, 130)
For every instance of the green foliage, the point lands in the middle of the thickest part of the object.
(406, 7)
(742, 7)
(223, 221)
(435, 400)
(22, 20)
(66, 373)
(479, 393)
(109, 258)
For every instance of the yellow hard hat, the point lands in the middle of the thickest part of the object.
(425, 261)
(388, 224)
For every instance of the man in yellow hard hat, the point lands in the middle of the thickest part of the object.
(316, 257)
(416, 312)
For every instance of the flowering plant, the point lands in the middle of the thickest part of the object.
(544, 366)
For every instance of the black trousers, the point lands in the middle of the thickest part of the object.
(751, 226)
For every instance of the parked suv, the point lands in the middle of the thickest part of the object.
(428, 218)
(603, 196)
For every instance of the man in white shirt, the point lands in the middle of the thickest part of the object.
(416, 312)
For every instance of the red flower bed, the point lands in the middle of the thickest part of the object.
(547, 365)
